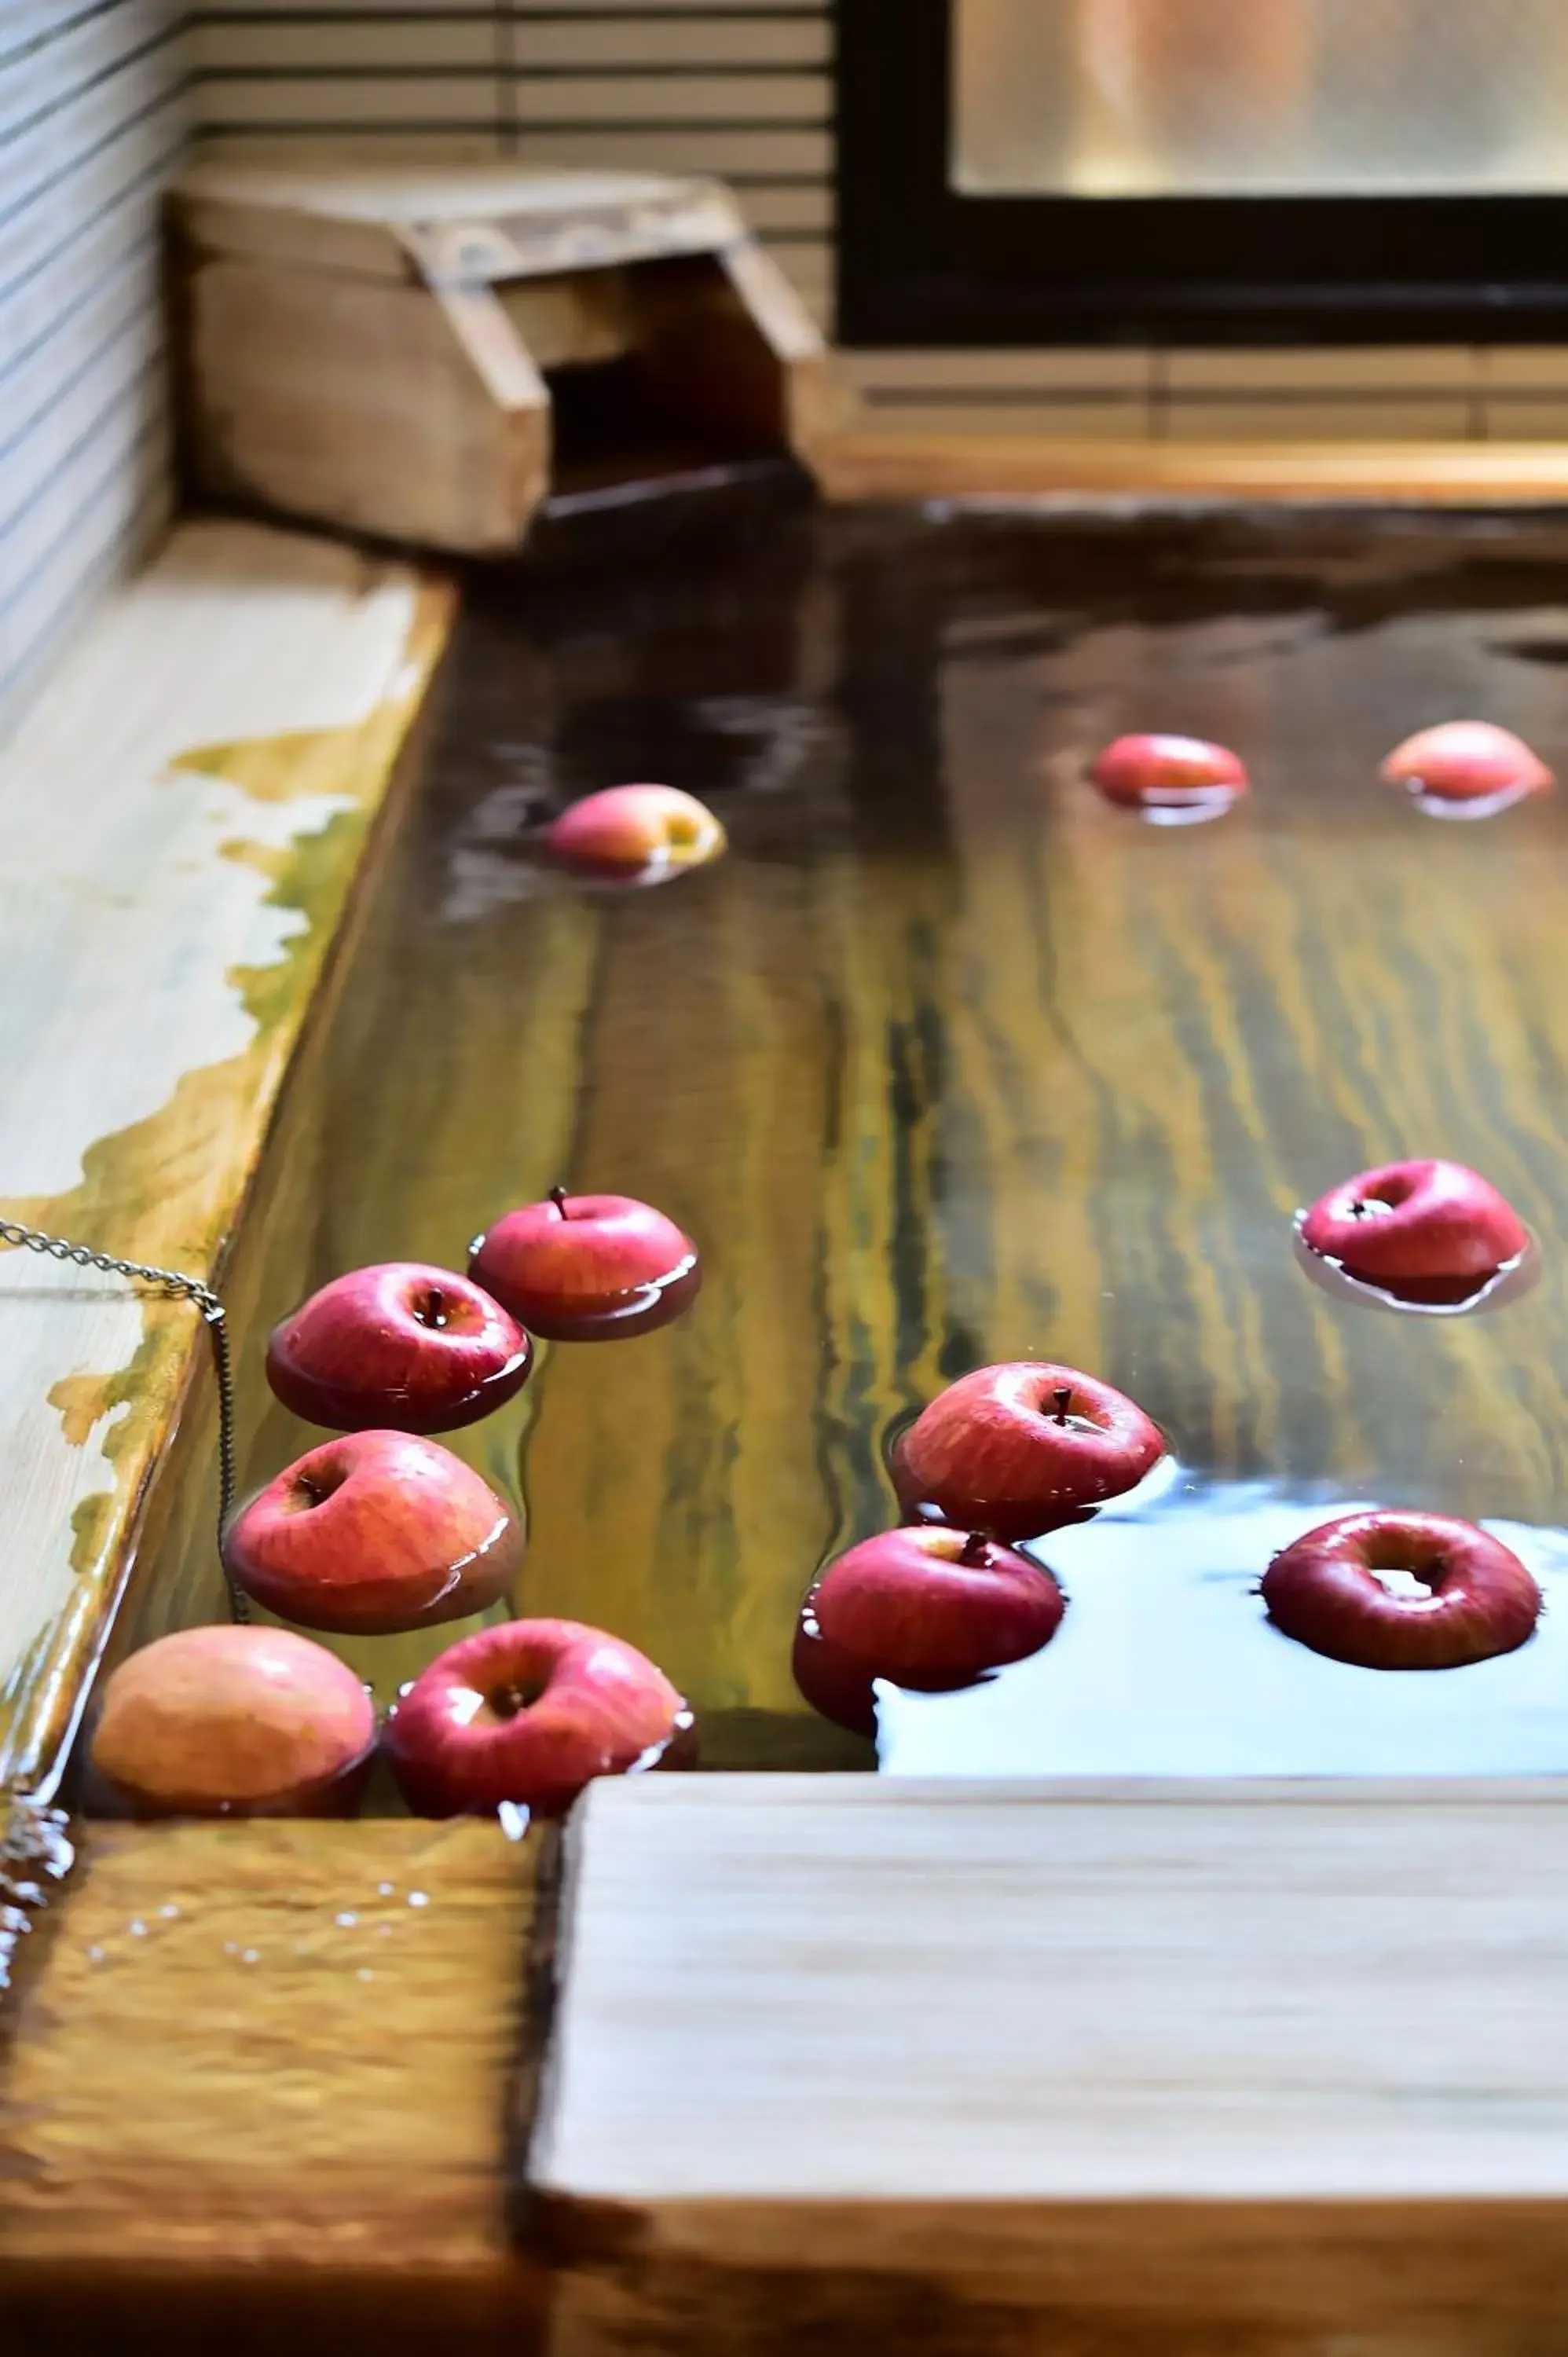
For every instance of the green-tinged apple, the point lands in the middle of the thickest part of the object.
(528, 1713)
(587, 1268)
(642, 833)
(375, 1533)
(1023, 1448)
(1416, 1224)
(234, 1721)
(929, 1608)
(398, 1346)
(1463, 1596)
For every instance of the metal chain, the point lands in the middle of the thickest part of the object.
(174, 1287)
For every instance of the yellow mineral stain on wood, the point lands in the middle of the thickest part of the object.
(130, 1402)
(166, 1191)
(279, 769)
(86, 1400)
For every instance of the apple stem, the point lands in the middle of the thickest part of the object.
(1064, 1401)
(1357, 1209)
(973, 1549)
(558, 1196)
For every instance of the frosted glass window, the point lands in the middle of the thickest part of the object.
(1122, 98)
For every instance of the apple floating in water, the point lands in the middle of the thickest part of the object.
(929, 1608)
(1464, 1596)
(587, 1268)
(1173, 777)
(529, 1712)
(398, 1345)
(641, 833)
(1023, 1448)
(1426, 1231)
(235, 1721)
(372, 1533)
(1467, 768)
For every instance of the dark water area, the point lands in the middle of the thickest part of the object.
(950, 1061)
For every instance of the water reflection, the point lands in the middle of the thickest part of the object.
(1166, 1665)
(1422, 1298)
(1193, 810)
(1444, 806)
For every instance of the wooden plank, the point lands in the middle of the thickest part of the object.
(574, 100)
(618, 44)
(381, 407)
(660, 99)
(184, 817)
(573, 320)
(1001, 2065)
(457, 223)
(887, 465)
(259, 2079)
(573, 222)
(443, 40)
(212, 221)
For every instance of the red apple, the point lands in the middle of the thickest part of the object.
(1415, 1222)
(1473, 1597)
(1467, 761)
(642, 831)
(1021, 1448)
(253, 1722)
(931, 1609)
(375, 1533)
(529, 1712)
(402, 1345)
(1169, 773)
(588, 1269)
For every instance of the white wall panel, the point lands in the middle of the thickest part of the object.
(92, 117)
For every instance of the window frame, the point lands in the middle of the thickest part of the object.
(920, 263)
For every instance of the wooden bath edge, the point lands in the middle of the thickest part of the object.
(188, 809)
(861, 462)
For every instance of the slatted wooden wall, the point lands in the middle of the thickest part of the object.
(93, 115)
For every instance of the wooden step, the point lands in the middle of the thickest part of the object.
(858, 2063)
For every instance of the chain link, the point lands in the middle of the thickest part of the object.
(175, 1285)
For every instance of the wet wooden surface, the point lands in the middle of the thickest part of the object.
(947, 1060)
(259, 2087)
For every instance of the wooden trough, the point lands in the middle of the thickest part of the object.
(426, 356)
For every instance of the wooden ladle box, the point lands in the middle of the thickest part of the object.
(426, 355)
